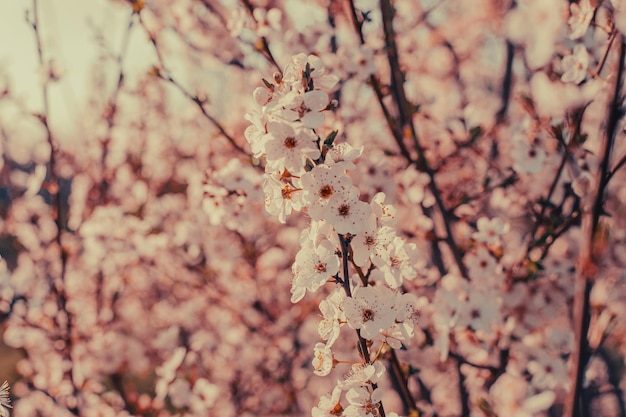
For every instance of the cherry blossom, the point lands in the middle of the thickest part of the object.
(314, 266)
(329, 405)
(399, 262)
(372, 244)
(288, 149)
(575, 65)
(490, 230)
(319, 185)
(346, 213)
(370, 310)
(330, 326)
(581, 15)
(362, 402)
(442, 177)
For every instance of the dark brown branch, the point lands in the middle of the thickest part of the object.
(589, 261)
(345, 253)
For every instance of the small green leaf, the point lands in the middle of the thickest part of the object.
(475, 133)
(330, 139)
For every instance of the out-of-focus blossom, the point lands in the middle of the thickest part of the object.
(510, 397)
(581, 14)
(575, 65)
(528, 157)
(490, 230)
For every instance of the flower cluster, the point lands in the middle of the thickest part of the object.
(304, 172)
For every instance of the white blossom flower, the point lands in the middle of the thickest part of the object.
(281, 198)
(482, 311)
(330, 326)
(346, 213)
(267, 20)
(490, 230)
(399, 262)
(548, 371)
(167, 371)
(370, 309)
(288, 149)
(323, 360)
(314, 266)
(363, 403)
(308, 108)
(575, 65)
(481, 266)
(213, 203)
(357, 61)
(385, 213)
(255, 133)
(528, 158)
(293, 71)
(580, 18)
(511, 397)
(329, 405)
(362, 374)
(403, 330)
(205, 394)
(372, 242)
(414, 184)
(319, 185)
(5, 401)
(342, 154)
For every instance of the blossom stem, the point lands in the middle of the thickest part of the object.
(345, 254)
(402, 382)
(606, 53)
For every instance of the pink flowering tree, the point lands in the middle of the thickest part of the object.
(322, 208)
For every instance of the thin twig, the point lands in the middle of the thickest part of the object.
(112, 105)
(54, 188)
(164, 74)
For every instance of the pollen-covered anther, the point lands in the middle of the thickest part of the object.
(337, 410)
(287, 191)
(368, 314)
(290, 142)
(326, 191)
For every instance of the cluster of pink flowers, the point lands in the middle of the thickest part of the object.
(308, 173)
(165, 255)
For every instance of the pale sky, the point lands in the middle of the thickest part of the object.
(69, 30)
